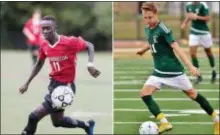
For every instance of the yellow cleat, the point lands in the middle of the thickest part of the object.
(165, 127)
(216, 130)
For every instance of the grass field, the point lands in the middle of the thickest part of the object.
(186, 116)
(93, 96)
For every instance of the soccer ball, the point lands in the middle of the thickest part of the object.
(148, 128)
(62, 96)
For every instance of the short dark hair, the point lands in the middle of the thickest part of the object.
(49, 18)
(149, 7)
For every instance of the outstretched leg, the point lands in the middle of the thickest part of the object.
(33, 120)
(59, 120)
(205, 105)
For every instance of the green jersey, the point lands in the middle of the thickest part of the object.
(166, 63)
(199, 27)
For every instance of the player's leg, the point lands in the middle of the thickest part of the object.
(33, 119)
(205, 105)
(34, 53)
(194, 41)
(206, 42)
(59, 120)
(151, 85)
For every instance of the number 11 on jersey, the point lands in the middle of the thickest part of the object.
(56, 66)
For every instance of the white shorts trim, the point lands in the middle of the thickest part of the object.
(203, 40)
(181, 82)
(168, 73)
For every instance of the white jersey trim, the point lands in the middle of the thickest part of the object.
(199, 31)
(169, 73)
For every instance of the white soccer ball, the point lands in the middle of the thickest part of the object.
(148, 128)
(62, 96)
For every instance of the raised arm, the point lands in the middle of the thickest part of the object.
(39, 64)
(193, 70)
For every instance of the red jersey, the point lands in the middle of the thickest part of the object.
(35, 29)
(62, 57)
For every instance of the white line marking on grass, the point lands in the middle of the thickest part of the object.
(139, 82)
(185, 111)
(175, 123)
(172, 115)
(165, 90)
(121, 72)
(162, 99)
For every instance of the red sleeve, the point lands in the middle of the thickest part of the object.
(28, 24)
(78, 43)
(41, 54)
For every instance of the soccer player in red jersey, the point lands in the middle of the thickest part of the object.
(32, 31)
(61, 51)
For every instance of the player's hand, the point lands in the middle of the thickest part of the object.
(23, 88)
(194, 71)
(93, 71)
(141, 52)
(183, 26)
(192, 16)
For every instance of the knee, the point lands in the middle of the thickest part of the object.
(192, 94)
(193, 55)
(33, 117)
(57, 123)
(145, 92)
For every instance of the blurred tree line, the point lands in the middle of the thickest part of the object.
(91, 20)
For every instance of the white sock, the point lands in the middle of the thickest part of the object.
(216, 118)
(164, 120)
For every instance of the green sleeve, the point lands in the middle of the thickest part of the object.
(169, 38)
(205, 11)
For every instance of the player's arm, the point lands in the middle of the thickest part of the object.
(27, 32)
(203, 18)
(143, 50)
(194, 71)
(185, 22)
(39, 64)
(92, 70)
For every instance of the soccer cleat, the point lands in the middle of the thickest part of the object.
(213, 77)
(164, 127)
(216, 128)
(90, 129)
(198, 80)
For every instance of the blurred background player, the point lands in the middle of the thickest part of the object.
(198, 14)
(167, 68)
(32, 32)
(61, 51)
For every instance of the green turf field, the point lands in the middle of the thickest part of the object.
(130, 111)
(93, 96)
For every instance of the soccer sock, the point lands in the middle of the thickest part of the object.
(215, 117)
(211, 61)
(151, 104)
(31, 127)
(162, 118)
(195, 62)
(204, 104)
(70, 123)
(34, 58)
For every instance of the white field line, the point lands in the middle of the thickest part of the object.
(145, 76)
(197, 111)
(175, 123)
(149, 71)
(166, 90)
(142, 82)
(162, 99)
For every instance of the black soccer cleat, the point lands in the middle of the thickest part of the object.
(213, 76)
(198, 80)
(24, 132)
(90, 129)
